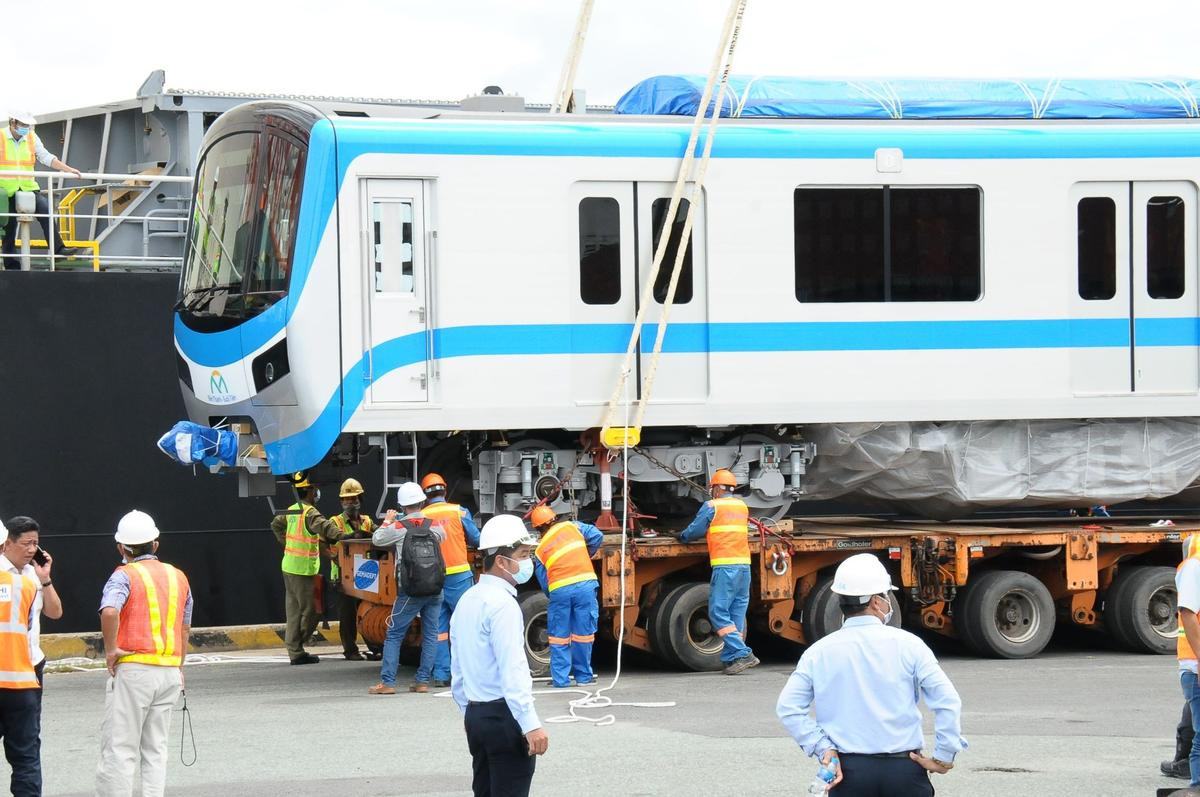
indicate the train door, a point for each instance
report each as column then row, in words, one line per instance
column 1101, row 347
column 396, row 334
column 1164, row 287
column 683, row 367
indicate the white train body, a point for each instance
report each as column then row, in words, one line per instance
column 435, row 280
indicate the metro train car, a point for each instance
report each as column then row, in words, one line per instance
column 468, row 281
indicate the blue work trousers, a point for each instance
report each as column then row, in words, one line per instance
column 404, row 610
column 456, row 584
column 571, row 621
column 728, row 598
column 1191, row 693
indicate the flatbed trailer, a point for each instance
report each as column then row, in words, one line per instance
column 1001, row 589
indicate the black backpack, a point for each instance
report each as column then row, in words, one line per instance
column 421, row 570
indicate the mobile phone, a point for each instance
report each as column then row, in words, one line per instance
column 39, row 557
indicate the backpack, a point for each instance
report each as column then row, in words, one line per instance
column 420, row 570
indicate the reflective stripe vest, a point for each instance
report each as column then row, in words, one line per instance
column 454, row 547
column 343, row 523
column 152, row 618
column 16, row 600
column 728, row 532
column 301, row 548
column 1192, row 551
column 564, row 554
column 17, row 156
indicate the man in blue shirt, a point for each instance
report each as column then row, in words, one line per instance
column 860, row 681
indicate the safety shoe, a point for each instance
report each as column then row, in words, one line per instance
column 1175, row 769
column 563, row 685
column 419, row 686
column 306, row 658
column 381, row 689
column 584, row 683
column 440, row 683
column 741, row 665
column 354, row 656
column 373, row 656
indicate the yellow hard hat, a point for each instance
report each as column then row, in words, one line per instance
column 300, row 480
column 350, row 489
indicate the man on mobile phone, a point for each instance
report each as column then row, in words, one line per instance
column 23, row 556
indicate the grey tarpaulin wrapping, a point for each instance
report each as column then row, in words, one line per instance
column 940, row 469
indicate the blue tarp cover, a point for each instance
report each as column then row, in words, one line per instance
column 867, row 98
column 190, row 443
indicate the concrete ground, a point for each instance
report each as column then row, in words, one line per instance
column 1073, row 721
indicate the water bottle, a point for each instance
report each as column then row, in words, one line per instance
column 825, row 775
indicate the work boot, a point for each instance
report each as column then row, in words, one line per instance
column 1176, row 769
column 381, row 689
column 419, row 686
column 306, row 658
column 353, row 655
column 441, row 683
column 373, row 656
column 741, row 665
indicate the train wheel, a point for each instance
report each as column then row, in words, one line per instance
column 1141, row 610
column 690, row 634
column 533, row 605
column 822, row 615
column 658, row 625
column 1007, row 614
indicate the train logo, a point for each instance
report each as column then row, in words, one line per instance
column 218, row 389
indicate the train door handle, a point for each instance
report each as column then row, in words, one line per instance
column 420, row 311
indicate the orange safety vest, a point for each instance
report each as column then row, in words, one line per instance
column 454, row 547
column 152, row 618
column 1182, row 649
column 18, row 156
column 728, row 532
column 16, row 600
column 563, row 552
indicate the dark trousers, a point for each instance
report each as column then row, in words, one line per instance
column 499, row 758
column 9, row 246
column 348, row 622
column 1184, row 733
column 21, row 727
column 872, row 776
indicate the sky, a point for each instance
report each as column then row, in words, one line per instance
column 449, row 49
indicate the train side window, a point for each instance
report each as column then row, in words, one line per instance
column 658, row 215
column 392, row 245
column 839, row 244
column 599, row 250
column 935, row 252
column 1096, row 231
column 1165, row 271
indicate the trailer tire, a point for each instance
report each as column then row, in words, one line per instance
column 1006, row 614
column 822, row 614
column 693, row 641
column 659, row 624
column 1141, row 609
column 534, row 605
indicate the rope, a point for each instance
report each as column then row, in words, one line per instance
column 566, row 78
column 722, row 57
column 185, row 729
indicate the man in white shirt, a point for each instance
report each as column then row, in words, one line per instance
column 19, row 552
column 1187, row 588
column 489, row 674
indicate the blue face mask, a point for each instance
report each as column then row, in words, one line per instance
column 22, row 131
column 524, row 570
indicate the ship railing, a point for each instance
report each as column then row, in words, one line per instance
column 65, row 192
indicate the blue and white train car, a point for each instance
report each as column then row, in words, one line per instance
column 352, row 270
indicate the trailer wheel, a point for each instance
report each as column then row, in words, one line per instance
column 693, row 640
column 1006, row 614
column 534, row 604
column 823, row 616
column 1141, row 609
column 659, row 623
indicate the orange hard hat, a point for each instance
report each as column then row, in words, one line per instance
column 723, row 477
column 541, row 515
column 432, row 480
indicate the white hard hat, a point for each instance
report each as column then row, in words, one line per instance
column 504, row 531
column 136, row 528
column 861, row 574
column 22, row 116
column 410, row 494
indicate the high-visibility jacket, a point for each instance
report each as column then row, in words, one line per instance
column 17, row 156
column 454, row 547
column 151, row 625
column 365, row 526
column 1191, row 550
column 16, row 602
column 301, row 548
column 728, row 532
column 563, row 552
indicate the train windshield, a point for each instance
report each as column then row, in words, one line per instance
column 240, row 249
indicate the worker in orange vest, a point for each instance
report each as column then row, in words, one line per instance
column 563, row 566
column 725, row 521
column 145, row 616
column 461, row 531
column 20, row 692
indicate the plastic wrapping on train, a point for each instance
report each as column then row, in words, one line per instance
column 941, row 468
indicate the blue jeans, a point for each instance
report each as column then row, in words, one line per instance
column 571, row 620
column 1191, row 693
column 403, row 611
column 728, row 598
column 452, row 590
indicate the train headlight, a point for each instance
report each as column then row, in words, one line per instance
column 270, row 366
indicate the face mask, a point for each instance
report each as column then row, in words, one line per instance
column 22, row 131
column 316, row 496
column 524, row 570
column 353, row 509
column 887, row 618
